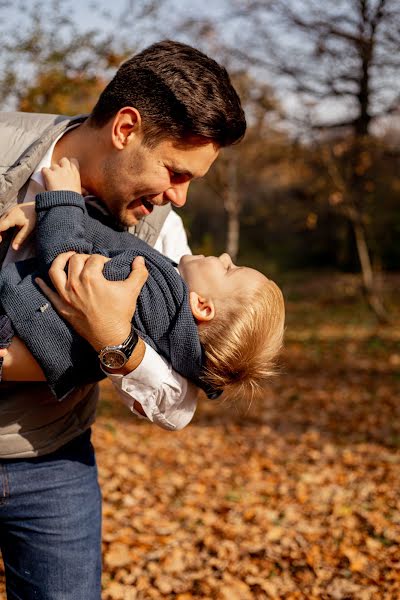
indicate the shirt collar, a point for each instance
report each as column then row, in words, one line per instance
column 46, row 160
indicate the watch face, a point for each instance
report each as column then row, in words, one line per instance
column 113, row 359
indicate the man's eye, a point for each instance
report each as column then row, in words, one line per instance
column 178, row 177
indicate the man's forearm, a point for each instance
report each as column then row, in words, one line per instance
column 133, row 362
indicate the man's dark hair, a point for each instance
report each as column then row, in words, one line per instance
column 180, row 93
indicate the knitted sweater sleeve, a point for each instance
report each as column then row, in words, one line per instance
column 67, row 360
column 61, row 226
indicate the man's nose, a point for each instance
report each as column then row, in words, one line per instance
column 177, row 194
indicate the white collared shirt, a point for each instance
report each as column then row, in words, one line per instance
column 167, row 398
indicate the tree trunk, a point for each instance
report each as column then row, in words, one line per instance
column 232, row 208
column 369, row 283
column 232, row 234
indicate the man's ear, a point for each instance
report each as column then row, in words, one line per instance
column 203, row 309
column 125, row 125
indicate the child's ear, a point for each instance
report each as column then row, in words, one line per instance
column 203, row 309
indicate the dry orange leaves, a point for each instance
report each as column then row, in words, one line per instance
column 297, row 499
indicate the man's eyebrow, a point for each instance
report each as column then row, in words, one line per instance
column 180, row 171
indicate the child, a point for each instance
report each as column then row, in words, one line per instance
column 217, row 324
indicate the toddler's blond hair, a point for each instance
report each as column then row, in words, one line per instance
column 242, row 341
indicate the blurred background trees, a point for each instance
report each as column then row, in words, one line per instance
column 340, row 64
column 345, row 55
column 316, row 181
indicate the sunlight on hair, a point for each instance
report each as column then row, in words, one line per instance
column 242, row 342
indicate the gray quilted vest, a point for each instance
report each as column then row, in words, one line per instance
column 24, row 140
column 31, row 423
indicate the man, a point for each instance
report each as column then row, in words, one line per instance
column 159, row 123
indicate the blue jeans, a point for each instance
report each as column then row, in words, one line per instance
column 50, row 524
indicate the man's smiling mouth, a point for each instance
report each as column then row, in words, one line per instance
column 148, row 205
column 141, row 204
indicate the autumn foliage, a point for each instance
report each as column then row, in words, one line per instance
column 295, row 498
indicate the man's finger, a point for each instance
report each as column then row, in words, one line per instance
column 94, row 266
column 57, row 271
column 139, row 267
column 98, row 260
column 139, row 274
column 138, row 264
column 76, row 265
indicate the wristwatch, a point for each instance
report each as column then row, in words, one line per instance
column 115, row 357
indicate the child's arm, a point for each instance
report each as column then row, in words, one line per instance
column 19, row 364
column 61, row 217
column 63, row 176
column 56, row 368
column 23, row 217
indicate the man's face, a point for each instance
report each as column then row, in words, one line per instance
column 137, row 178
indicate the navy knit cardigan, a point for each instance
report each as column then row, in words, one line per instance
column 162, row 318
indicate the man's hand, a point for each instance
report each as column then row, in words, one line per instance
column 99, row 310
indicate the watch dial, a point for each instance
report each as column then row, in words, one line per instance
column 114, row 359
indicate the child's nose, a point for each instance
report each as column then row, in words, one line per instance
column 226, row 259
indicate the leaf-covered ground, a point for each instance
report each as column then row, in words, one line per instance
column 295, row 498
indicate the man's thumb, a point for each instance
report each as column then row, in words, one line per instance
column 139, row 271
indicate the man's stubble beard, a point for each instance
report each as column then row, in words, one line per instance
column 116, row 206
column 127, row 219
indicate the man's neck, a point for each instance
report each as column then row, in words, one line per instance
column 71, row 144
column 76, row 144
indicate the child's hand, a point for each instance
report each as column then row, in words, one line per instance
column 22, row 216
column 3, row 352
column 63, row 176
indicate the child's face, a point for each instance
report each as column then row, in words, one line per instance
column 217, row 277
